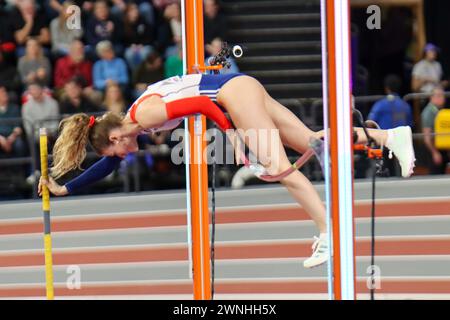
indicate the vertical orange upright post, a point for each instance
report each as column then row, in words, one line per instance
column 341, row 148
column 198, row 166
column 333, row 150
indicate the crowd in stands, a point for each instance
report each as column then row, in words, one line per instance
column 427, row 78
column 61, row 57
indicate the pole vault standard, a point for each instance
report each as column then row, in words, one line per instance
column 339, row 95
column 326, row 153
column 341, row 147
column 196, row 170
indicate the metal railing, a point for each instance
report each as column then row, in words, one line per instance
column 300, row 107
column 14, row 161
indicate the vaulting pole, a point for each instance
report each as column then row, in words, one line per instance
column 46, row 212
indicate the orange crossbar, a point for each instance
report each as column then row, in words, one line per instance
column 198, row 166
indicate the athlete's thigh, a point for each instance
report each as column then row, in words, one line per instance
column 243, row 98
column 294, row 133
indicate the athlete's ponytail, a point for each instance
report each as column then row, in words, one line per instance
column 76, row 132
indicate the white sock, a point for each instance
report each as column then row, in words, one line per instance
column 390, row 138
column 323, row 236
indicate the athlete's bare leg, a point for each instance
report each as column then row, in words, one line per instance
column 245, row 100
column 379, row 135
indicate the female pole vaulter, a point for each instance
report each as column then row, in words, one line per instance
column 164, row 105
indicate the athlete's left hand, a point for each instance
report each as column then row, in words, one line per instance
column 52, row 186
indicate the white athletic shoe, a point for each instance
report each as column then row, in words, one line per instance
column 241, row 177
column 400, row 143
column 320, row 253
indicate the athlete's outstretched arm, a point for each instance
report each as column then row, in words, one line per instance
column 96, row 172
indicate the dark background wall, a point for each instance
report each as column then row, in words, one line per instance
column 437, row 18
column 390, row 49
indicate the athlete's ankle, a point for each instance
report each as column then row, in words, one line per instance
column 388, row 137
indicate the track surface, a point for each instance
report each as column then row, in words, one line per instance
column 134, row 246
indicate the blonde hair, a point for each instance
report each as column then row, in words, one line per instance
column 69, row 150
column 102, row 46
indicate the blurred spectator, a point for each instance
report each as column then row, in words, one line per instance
column 9, row 77
column 147, row 11
column 148, row 72
column 62, row 36
column 54, row 7
column 11, row 142
column 215, row 23
column 73, row 65
column 162, row 4
column 174, row 64
column 156, row 157
column 144, row 6
column 392, row 111
column 7, row 41
column 37, row 109
column 28, row 22
column 34, row 66
column 172, row 14
column 114, row 100
column 74, row 101
column 157, row 144
column 427, row 73
column 164, row 36
column 109, row 69
column 439, row 158
column 86, row 5
column 118, row 8
column 138, row 36
column 157, row 149
column 101, row 26
column 214, row 48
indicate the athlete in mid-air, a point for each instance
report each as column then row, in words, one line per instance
column 164, row 105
